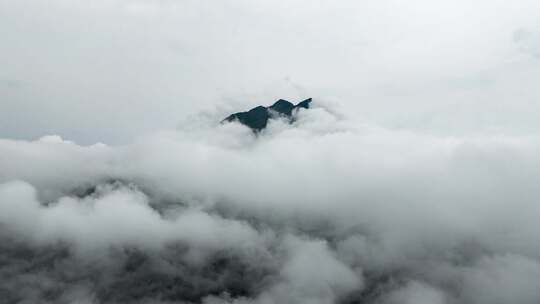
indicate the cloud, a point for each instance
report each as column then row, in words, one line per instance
column 330, row 209
column 528, row 41
column 502, row 278
column 413, row 180
column 415, row 292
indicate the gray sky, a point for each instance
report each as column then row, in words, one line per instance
column 109, row 71
column 413, row 179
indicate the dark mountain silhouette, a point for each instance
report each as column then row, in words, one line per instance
column 257, row 118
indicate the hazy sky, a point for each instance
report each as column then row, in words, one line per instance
column 110, row 70
column 413, row 179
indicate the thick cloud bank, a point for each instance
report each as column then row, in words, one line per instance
column 327, row 210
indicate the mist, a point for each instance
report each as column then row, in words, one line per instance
column 112, row 70
column 412, row 178
column 326, row 210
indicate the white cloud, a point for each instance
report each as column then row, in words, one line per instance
column 327, row 208
column 528, row 41
column 413, row 180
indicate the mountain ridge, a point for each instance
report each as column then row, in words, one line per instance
column 257, row 118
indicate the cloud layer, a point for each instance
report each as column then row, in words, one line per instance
column 328, row 210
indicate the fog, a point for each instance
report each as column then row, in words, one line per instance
column 326, row 210
column 112, row 70
column 412, row 179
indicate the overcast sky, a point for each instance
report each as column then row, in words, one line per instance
column 413, row 179
column 110, row 70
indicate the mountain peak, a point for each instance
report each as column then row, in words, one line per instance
column 257, row 118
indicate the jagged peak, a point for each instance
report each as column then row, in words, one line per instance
column 304, row 104
column 257, row 118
